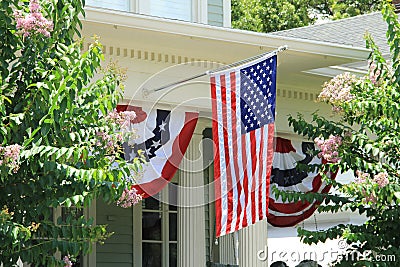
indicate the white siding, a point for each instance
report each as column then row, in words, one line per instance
column 118, row 249
column 216, row 12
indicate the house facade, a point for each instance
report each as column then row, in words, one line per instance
column 159, row 42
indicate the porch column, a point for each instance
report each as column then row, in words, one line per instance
column 251, row 240
column 191, row 214
column 227, row 254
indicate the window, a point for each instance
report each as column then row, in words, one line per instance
column 159, row 230
column 122, row 5
column 212, row 12
column 174, row 9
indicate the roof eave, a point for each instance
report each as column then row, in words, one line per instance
column 202, row 31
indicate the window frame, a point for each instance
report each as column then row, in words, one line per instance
column 138, row 227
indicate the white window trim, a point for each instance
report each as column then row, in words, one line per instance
column 227, row 13
column 200, row 9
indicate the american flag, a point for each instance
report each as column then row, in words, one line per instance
column 243, row 108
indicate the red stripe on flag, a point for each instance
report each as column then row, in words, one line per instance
column 227, row 155
column 171, row 166
column 260, row 176
column 217, row 171
column 254, row 162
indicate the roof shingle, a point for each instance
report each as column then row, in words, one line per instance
column 349, row 31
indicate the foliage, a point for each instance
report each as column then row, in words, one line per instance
column 58, row 146
column 270, row 16
column 368, row 127
column 339, row 9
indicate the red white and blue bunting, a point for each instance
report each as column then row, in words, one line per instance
column 164, row 136
column 286, row 177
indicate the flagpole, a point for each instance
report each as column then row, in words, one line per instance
column 147, row 92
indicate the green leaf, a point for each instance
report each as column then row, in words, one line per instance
column 375, row 151
column 67, row 203
column 72, row 135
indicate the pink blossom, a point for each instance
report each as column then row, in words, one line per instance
column 370, row 198
column 362, row 177
column 67, row 262
column 34, row 22
column 123, row 119
column 10, row 156
column 329, row 148
column 108, row 142
column 129, row 198
column 337, row 90
column 34, row 6
column 381, row 179
column 373, row 73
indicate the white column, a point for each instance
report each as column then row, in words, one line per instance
column 251, row 240
column 226, row 245
column 191, row 214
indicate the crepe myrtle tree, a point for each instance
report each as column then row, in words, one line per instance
column 60, row 136
column 364, row 138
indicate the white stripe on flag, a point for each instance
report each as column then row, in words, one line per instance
column 249, row 178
